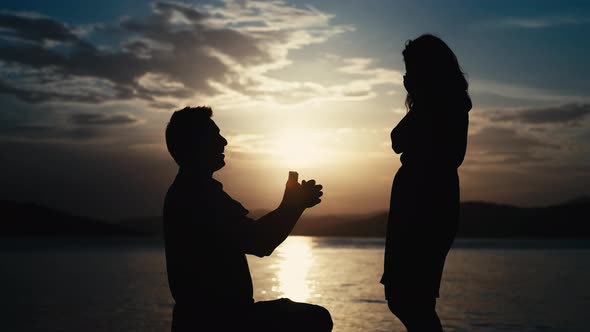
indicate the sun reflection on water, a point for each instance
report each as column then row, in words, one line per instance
column 293, row 269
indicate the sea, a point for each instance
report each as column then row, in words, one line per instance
column 118, row 285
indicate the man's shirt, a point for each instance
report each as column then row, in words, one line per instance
column 204, row 229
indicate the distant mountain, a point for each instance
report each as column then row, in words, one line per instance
column 478, row 219
column 146, row 226
column 359, row 225
column 569, row 219
column 577, row 200
column 28, row 219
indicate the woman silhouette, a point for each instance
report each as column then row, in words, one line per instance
column 424, row 207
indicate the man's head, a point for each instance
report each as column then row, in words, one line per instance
column 194, row 141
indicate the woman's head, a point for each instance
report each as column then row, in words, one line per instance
column 433, row 74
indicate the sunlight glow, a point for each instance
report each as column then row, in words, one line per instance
column 298, row 148
column 295, row 262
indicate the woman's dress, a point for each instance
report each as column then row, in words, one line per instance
column 424, row 206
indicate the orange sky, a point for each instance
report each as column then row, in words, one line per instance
column 86, row 96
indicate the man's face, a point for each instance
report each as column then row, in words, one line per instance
column 211, row 147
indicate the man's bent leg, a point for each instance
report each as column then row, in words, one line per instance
column 183, row 318
column 286, row 315
column 206, row 317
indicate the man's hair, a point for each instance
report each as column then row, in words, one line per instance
column 183, row 130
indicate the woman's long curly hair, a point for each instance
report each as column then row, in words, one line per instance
column 433, row 77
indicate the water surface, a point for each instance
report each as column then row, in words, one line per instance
column 115, row 285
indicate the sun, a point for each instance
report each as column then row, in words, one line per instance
column 299, row 148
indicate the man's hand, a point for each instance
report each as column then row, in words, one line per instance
column 311, row 193
column 302, row 196
column 272, row 229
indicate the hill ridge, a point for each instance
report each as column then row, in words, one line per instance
column 478, row 219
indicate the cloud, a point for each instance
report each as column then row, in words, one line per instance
column 48, row 133
column 502, row 146
column 45, row 85
column 306, row 146
column 502, row 140
column 570, row 114
column 25, row 27
column 177, row 53
column 521, row 166
column 120, row 70
column 532, row 22
column 85, row 124
column 525, row 94
column 527, row 141
column 101, row 119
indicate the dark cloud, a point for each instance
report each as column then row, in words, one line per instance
column 168, row 8
column 564, row 114
column 174, row 45
column 35, row 56
column 37, row 96
column 176, row 52
column 504, row 140
column 500, row 146
column 37, row 132
column 358, row 93
column 518, row 166
column 164, row 106
column 102, row 119
column 35, row 29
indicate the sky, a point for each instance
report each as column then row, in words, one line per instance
column 87, row 88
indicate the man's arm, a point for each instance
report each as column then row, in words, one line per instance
column 265, row 234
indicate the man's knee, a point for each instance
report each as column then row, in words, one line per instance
column 322, row 318
column 314, row 318
column 288, row 315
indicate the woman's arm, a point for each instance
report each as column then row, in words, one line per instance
column 410, row 131
column 400, row 133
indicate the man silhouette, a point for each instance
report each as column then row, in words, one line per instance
column 207, row 235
